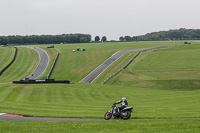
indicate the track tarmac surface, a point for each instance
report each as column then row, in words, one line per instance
column 43, row 63
column 95, row 73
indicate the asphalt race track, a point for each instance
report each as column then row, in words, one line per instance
column 94, row 74
column 44, row 61
column 21, row 118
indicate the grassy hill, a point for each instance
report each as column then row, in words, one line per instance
column 170, row 64
column 168, row 68
column 74, row 66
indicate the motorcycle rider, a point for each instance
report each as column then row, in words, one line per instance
column 123, row 102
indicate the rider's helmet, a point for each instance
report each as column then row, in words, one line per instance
column 123, row 98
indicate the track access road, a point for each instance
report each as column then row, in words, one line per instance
column 95, row 73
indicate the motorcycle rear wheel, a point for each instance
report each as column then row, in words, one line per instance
column 107, row 115
column 125, row 115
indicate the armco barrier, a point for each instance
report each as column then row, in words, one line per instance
column 10, row 62
column 48, row 76
column 134, row 58
column 46, row 81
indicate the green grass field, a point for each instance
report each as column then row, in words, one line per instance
column 6, row 54
column 175, row 64
column 93, row 100
column 130, row 126
column 163, row 89
column 25, row 63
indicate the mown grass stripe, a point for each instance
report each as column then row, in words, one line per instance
column 5, row 93
column 5, row 54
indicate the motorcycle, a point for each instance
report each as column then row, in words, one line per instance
column 116, row 113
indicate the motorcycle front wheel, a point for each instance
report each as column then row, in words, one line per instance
column 107, row 115
column 125, row 115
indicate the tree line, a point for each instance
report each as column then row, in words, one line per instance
column 177, row 34
column 45, row 39
column 129, row 38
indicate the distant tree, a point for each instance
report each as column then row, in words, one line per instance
column 83, row 40
column 134, row 38
column 104, row 39
column 97, row 38
column 3, row 40
column 88, row 37
column 127, row 38
column 121, row 38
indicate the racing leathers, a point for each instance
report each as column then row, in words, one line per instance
column 123, row 102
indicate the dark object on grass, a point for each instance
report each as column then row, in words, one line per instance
column 51, row 46
column 187, row 43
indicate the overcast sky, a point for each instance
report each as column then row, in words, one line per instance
column 110, row 18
